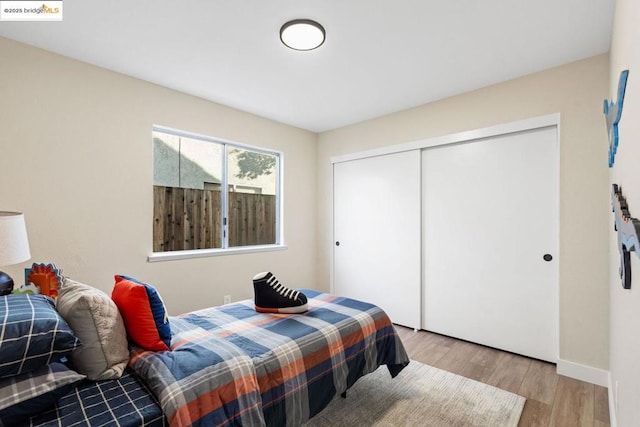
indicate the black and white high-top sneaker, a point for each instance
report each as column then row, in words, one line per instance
column 272, row 297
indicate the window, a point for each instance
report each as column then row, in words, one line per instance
column 213, row 194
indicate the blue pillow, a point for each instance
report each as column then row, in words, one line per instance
column 28, row 394
column 32, row 334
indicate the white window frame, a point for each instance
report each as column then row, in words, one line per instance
column 225, row 249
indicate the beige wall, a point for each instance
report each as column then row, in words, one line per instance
column 575, row 91
column 76, row 158
column 625, row 304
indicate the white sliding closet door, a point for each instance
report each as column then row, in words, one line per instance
column 490, row 222
column 377, row 233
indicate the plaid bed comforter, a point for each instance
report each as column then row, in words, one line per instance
column 230, row 365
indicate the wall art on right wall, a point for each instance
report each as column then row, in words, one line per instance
column 628, row 229
column 613, row 113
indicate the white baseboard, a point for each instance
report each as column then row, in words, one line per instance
column 583, row 373
column 613, row 416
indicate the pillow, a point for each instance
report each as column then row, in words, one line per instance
column 32, row 334
column 28, row 394
column 96, row 321
column 143, row 312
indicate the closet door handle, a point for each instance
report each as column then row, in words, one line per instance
column 547, row 257
column 337, row 243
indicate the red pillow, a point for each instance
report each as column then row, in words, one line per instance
column 143, row 312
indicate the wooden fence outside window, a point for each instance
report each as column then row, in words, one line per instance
column 187, row 218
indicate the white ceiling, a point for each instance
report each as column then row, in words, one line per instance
column 380, row 56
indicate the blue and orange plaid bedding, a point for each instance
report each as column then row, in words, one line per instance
column 231, row 365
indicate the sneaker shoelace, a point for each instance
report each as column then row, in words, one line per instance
column 281, row 289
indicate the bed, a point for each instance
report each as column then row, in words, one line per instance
column 231, row 365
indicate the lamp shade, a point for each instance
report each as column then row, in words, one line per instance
column 14, row 245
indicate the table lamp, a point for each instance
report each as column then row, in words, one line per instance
column 14, row 246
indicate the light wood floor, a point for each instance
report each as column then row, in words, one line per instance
column 552, row 399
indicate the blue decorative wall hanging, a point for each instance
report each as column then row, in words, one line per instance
column 613, row 112
column 628, row 229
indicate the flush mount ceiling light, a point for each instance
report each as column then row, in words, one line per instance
column 302, row 34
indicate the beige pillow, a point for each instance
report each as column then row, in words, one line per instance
column 96, row 321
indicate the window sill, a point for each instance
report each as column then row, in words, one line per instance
column 203, row 253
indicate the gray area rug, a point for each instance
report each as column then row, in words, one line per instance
column 421, row 395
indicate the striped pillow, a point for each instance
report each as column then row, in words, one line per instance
column 28, row 394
